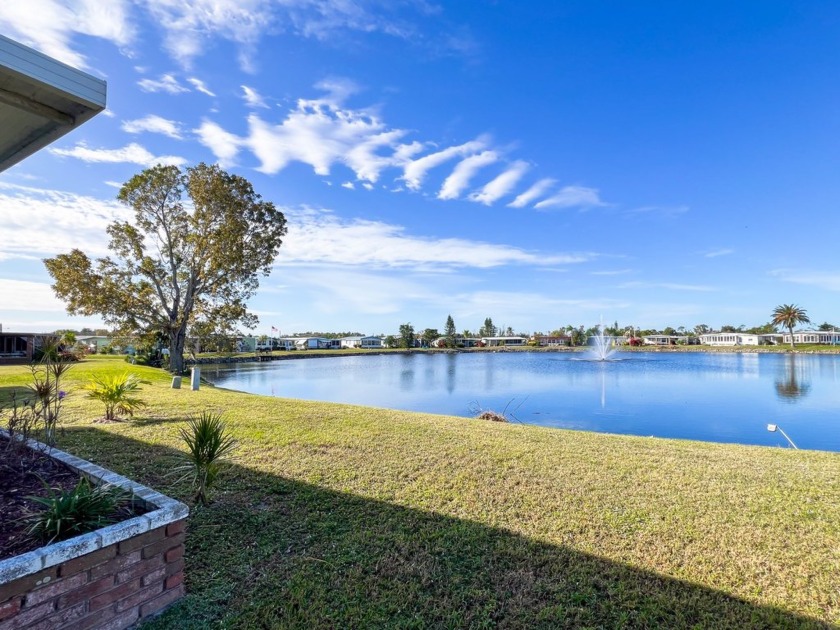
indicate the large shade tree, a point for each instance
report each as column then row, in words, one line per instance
column 789, row 315
column 198, row 242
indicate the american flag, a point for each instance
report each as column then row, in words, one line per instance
column 273, row 329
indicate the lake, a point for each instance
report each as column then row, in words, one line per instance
column 719, row 397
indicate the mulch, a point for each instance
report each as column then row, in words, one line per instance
column 24, row 473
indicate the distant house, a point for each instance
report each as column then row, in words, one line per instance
column 18, row 347
column 315, row 343
column 729, row 339
column 826, row 337
column 362, row 341
column 663, row 340
column 94, row 342
column 548, row 341
column 504, row 341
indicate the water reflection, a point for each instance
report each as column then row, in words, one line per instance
column 451, row 362
column 794, row 382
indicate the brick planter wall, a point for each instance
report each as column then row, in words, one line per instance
column 111, row 578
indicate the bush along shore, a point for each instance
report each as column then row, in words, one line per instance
column 334, row 515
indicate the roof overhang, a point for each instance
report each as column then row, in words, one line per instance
column 41, row 99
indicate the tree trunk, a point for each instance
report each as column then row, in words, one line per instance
column 790, row 329
column 177, row 341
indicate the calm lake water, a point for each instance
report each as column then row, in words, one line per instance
column 699, row 396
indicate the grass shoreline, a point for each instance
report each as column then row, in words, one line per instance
column 343, row 516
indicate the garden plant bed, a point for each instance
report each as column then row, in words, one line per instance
column 24, row 475
column 111, row 577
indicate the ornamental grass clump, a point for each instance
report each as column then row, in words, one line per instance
column 69, row 513
column 208, row 443
column 117, row 392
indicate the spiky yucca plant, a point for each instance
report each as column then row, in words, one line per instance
column 117, row 393
column 68, row 513
column 208, row 443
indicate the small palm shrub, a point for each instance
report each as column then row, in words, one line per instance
column 69, row 513
column 117, row 392
column 208, row 443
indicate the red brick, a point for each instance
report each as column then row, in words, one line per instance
column 174, row 580
column 161, row 602
column 156, row 549
column 26, row 618
column 115, row 594
column 10, row 608
column 55, row 589
column 86, row 592
column 113, row 566
column 176, row 528
column 142, row 540
column 140, row 569
column 155, row 576
column 174, row 567
column 60, row 619
column 28, row 583
column 174, row 554
column 122, row 620
column 107, row 619
column 139, row 597
column 82, row 563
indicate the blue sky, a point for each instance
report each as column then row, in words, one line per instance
column 540, row 163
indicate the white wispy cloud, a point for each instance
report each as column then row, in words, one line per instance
column 826, row 279
column 51, row 26
column 414, row 171
column 533, row 193
column 349, row 185
column 317, row 236
column 571, row 197
column 37, row 222
column 25, row 296
column 252, row 98
column 200, row 86
column 153, row 124
column 166, row 83
column 715, row 253
column 131, row 153
column 224, row 145
column 611, row 272
column 501, row 185
column 464, row 171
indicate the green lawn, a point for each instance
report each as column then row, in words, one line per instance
column 339, row 516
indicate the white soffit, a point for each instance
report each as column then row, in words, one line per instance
column 41, row 99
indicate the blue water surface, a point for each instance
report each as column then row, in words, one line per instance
column 719, row 397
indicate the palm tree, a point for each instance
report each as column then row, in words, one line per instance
column 789, row 315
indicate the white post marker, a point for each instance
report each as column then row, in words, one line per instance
column 195, row 378
column 773, row 428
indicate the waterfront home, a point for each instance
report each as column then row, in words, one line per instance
column 826, row 337
column 503, row 341
column 316, row 343
column 547, row 341
column 362, row 341
column 729, row 339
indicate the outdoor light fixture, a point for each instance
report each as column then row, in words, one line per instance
column 773, row 428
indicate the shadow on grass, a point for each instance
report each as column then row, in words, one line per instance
column 275, row 552
column 7, row 392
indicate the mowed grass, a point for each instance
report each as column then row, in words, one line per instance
column 340, row 516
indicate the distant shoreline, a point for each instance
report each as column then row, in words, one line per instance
column 286, row 355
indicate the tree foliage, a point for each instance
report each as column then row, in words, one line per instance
column 449, row 331
column 193, row 253
column 406, row 336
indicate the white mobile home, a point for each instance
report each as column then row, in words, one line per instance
column 729, row 339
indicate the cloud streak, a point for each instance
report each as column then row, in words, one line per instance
column 131, row 153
